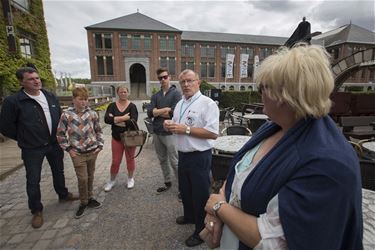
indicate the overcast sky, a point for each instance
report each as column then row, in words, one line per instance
column 68, row 39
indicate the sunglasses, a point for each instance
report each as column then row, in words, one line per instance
column 163, row 77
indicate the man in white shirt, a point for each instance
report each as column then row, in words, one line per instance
column 195, row 123
column 30, row 117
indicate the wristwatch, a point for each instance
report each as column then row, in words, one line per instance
column 187, row 131
column 217, row 206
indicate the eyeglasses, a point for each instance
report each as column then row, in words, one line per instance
column 187, row 82
column 163, row 77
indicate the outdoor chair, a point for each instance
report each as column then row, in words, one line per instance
column 220, row 166
column 149, row 127
column 255, row 124
column 368, row 174
column 236, row 130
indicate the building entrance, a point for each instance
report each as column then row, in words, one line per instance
column 137, row 75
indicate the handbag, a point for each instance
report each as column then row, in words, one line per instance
column 134, row 138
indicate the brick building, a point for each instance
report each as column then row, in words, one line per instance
column 128, row 50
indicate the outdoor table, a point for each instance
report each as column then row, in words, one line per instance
column 368, row 212
column 370, row 148
column 255, row 116
column 230, row 144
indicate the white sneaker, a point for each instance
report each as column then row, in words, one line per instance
column 130, row 183
column 109, row 185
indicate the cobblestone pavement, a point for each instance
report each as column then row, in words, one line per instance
column 129, row 219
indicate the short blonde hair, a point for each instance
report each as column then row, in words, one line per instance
column 80, row 92
column 121, row 87
column 301, row 77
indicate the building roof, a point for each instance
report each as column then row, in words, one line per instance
column 349, row 33
column 231, row 38
column 135, row 21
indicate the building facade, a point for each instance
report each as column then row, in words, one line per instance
column 128, row 50
column 23, row 39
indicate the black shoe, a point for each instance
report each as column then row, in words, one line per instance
column 80, row 211
column 165, row 188
column 182, row 221
column 94, row 203
column 193, row 241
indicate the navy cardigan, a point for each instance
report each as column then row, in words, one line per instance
column 316, row 174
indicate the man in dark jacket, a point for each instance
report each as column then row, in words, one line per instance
column 30, row 117
column 160, row 109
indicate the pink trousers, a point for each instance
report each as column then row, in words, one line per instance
column 118, row 150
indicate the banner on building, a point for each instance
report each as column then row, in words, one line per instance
column 229, row 66
column 243, row 69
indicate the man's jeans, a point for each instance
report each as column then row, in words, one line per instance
column 33, row 160
column 165, row 147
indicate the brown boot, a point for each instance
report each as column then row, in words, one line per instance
column 37, row 220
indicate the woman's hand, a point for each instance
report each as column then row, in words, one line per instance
column 214, row 198
column 126, row 117
column 214, row 229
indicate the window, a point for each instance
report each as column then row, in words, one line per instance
column 109, row 65
column 250, row 70
column 187, row 50
column 335, row 53
column 163, row 43
column 207, row 51
column 25, row 47
column 211, row 69
column 249, row 51
column 124, row 41
column 103, row 41
column 100, row 64
column 187, row 65
column 167, row 43
column 223, row 69
column 22, row 4
column 169, row 63
column 171, row 46
column 136, row 42
column 172, row 65
column 107, row 41
column 104, row 65
column 203, row 69
column 264, row 52
column 226, row 50
column 147, row 42
column 98, row 41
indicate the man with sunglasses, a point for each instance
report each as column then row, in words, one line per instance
column 160, row 109
column 195, row 123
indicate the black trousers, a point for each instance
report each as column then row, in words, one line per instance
column 33, row 160
column 194, row 181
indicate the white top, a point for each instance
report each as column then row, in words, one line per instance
column 269, row 225
column 199, row 111
column 41, row 99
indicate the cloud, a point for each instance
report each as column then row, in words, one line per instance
column 68, row 38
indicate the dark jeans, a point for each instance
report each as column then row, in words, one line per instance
column 194, row 183
column 33, row 160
